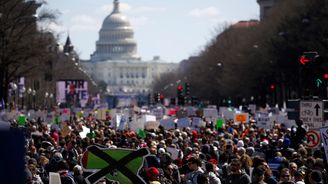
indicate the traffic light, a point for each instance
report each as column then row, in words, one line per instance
column 308, row 58
column 187, row 89
column 157, row 98
column 161, row 98
column 272, row 87
column 180, row 95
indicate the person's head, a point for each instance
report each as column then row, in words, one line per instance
column 77, row 170
column 102, row 181
column 203, row 179
column 194, row 163
column 209, row 167
column 258, row 174
column 235, row 165
column 152, row 174
column 299, row 175
column 285, row 175
column 315, row 177
column 168, row 169
column 292, row 168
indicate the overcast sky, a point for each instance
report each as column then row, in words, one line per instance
column 171, row 29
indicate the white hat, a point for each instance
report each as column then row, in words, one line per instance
column 240, row 143
column 161, row 150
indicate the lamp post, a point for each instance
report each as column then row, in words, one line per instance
column 23, row 94
column 51, row 96
column 33, row 93
column 46, row 95
column 14, row 88
column 29, row 91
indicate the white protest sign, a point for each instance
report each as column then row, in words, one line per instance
column 31, row 114
column 227, row 113
column 136, row 124
column 191, row 111
column 252, row 108
column 263, row 120
column 183, row 122
column 197, row 122
column 167, row 124
column 147, row 118
column 158, row 113
column 85, row 131
column 210, row 113
column 324, row 140
column 122, row 122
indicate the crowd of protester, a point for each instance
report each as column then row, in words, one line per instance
column 236, row 153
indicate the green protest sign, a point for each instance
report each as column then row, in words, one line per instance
column 120, row 165
column 56, row 120
column 21, row 120
column 141, row 133
column 219, row 123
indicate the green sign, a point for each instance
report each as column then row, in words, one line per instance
column 219, row 123
column 21, row 120
column 120, row 165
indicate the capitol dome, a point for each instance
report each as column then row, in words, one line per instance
column 116, row 38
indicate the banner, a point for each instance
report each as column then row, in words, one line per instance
column 74, row 92
column 324, row 140
column 183, row 123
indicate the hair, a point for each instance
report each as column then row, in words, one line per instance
column 202, row 178
column 195, row 161
column 316, row 176
column 209, row 167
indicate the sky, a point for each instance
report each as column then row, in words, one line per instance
column 171, row 29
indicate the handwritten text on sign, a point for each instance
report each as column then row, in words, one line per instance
column 311, row 113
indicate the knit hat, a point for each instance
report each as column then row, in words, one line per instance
column 151, row 171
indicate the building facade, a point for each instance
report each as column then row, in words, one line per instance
column 116, row 62
column 265, row 7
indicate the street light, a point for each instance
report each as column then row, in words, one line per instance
column 51, row 97
column 33, row 93
column 46, row 95
column 29, row 91
column 14, row 88
column 23, row 94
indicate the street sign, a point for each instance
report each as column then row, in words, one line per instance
column 324, row 138
column 312, row 139
column 311, row 113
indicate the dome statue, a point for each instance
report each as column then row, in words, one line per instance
column 116, row 38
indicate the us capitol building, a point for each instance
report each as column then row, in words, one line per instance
column 116, row 62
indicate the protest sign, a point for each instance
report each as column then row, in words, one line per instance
column 102, row 161
column 167, row 124
column 183, row 122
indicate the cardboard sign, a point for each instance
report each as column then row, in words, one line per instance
column 167, row 124
column 152, row 125
column 241, row 117
column 183, row 123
